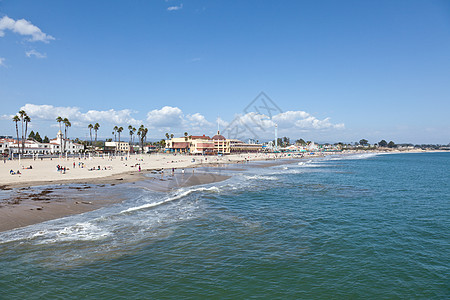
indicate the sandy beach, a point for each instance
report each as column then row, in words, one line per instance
column 104, row 169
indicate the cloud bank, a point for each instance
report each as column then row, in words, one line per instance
column 174, row 120
column 50, row 113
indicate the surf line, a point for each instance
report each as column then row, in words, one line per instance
column 176, row 197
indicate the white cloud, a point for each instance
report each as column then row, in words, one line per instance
column 198, row 121
column 35, row 54
column 23, row 27
column 172, row 8
column 167, row 116
column 303, row 120
column 170, row 118
column 50, row 113
column 2, row 62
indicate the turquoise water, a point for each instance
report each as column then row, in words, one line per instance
column 362, row 226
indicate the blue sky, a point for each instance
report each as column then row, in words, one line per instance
column 337, row 70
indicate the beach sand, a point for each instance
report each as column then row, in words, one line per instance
column 105, row 170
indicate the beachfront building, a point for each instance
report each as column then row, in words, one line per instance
column 5, row 145
column 67, row 145
column 116, row 147
column 32, row 147
column 202, row 144
column 11, row 146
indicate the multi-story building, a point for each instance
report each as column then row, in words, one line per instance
column 117, row 147
column 203, row 144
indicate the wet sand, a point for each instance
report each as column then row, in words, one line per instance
column 25, row 206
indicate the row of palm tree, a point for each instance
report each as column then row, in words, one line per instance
column 169, row 135
column 142, row 133
column 24, row 119
column 95, row 127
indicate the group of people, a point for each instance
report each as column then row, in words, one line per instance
column 61, row 169
column 14, row 173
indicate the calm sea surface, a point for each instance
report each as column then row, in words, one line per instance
column 362, row 226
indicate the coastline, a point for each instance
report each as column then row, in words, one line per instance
column 34, row 201
column 30, row 202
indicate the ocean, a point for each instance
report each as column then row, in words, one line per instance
column 358, row 226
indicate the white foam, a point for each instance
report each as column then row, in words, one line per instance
column 179, row 195
column 261, row 177
column 354, row 156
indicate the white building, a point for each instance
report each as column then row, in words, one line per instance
column 8, row 146
column 69, row 146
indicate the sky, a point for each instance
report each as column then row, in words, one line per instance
column 326, row 71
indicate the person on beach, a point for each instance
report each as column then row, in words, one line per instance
column 182, row 171
column 12, row 172
column 139, row 168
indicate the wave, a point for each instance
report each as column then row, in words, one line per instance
column 354, row 156
column 260, row 177
column 177, row 196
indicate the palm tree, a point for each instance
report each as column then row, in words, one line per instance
column 96, row 127
column 27, row 120
column 186, row 136
column 17, row 119
column 119, row 130
column 114, row 132
column 167, row 135
column 22, row 115
column 90, row 126
column 130, row 128
column 171, row 136
column 67, row 124
column 139, row 133
column 60, row 120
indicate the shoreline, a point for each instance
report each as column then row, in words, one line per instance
column 29, row 203
column 37, row 201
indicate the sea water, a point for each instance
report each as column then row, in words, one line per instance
column 357, row 226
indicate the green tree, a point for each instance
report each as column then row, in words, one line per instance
column 382, row 143
column 130, row 130
column 31, row 136
column 363, row 142
column 67, row 124
column 90, row 126
column 46, row 140
column 16, row 119
column 96, row 127
column 114, row 132
column 27, row 120
column 37, row 137
column 300, row 142
column 22, row 115
column 391, row 144
column 119, row 130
